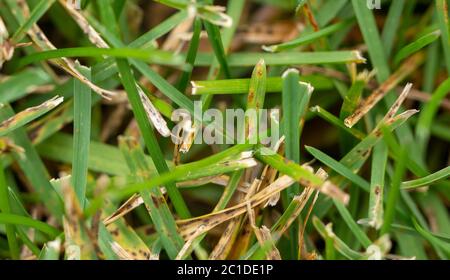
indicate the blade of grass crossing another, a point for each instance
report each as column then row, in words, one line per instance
column 368, row 27
column 149, row 136
column 33, row 167
column 153, row 199
column 234, row 10
column 437, row 243
column 338, row 167
column 181, row 171
column 40, row 9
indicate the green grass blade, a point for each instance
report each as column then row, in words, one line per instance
column 5, row 208
column 327, row 116
column 154, row 199
column 428, row 113
column 391, row 25
column 295, row 98
column 19, row 85
column 295, row 58
column 216, row 42
column 357, row 232
column 159, row 30
column 28, row 222
column 309, row 38
column 427, row 180
column 255, row 102
column 371, row 38
column 327, row 233
column 297, row 172
column 436, row 242
column 35, row 15
column 181, row 171
column 339, row 168
column 153, row 56
column 442, row 15
column 415, row 46
column 82, row 136
column 353, row 96
column 190, row 57
column 393, row 194
column 241, row 86
column 377, row 181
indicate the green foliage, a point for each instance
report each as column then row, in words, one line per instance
column 86, row 104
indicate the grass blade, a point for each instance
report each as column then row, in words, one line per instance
column 339, row 168
column 391, row 25
column 216, row 42
column 357, row 232
column 417, row 45
column 427, row 115
column 291, row 96
column 28, row 222
column 35, row 15
column 153, row 56
column 379, row 161
column 82, row 136
column 241, row 86
column 21, row 119
column 33, row 167
column 190, row 57
column 393, row 194
column 372, row 38
column 427, row 180
column 442, row 15
column 309, row 38
column 5, row 208
column 250, row 59
column 154, row 199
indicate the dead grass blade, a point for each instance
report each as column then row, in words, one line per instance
column 366, row 105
